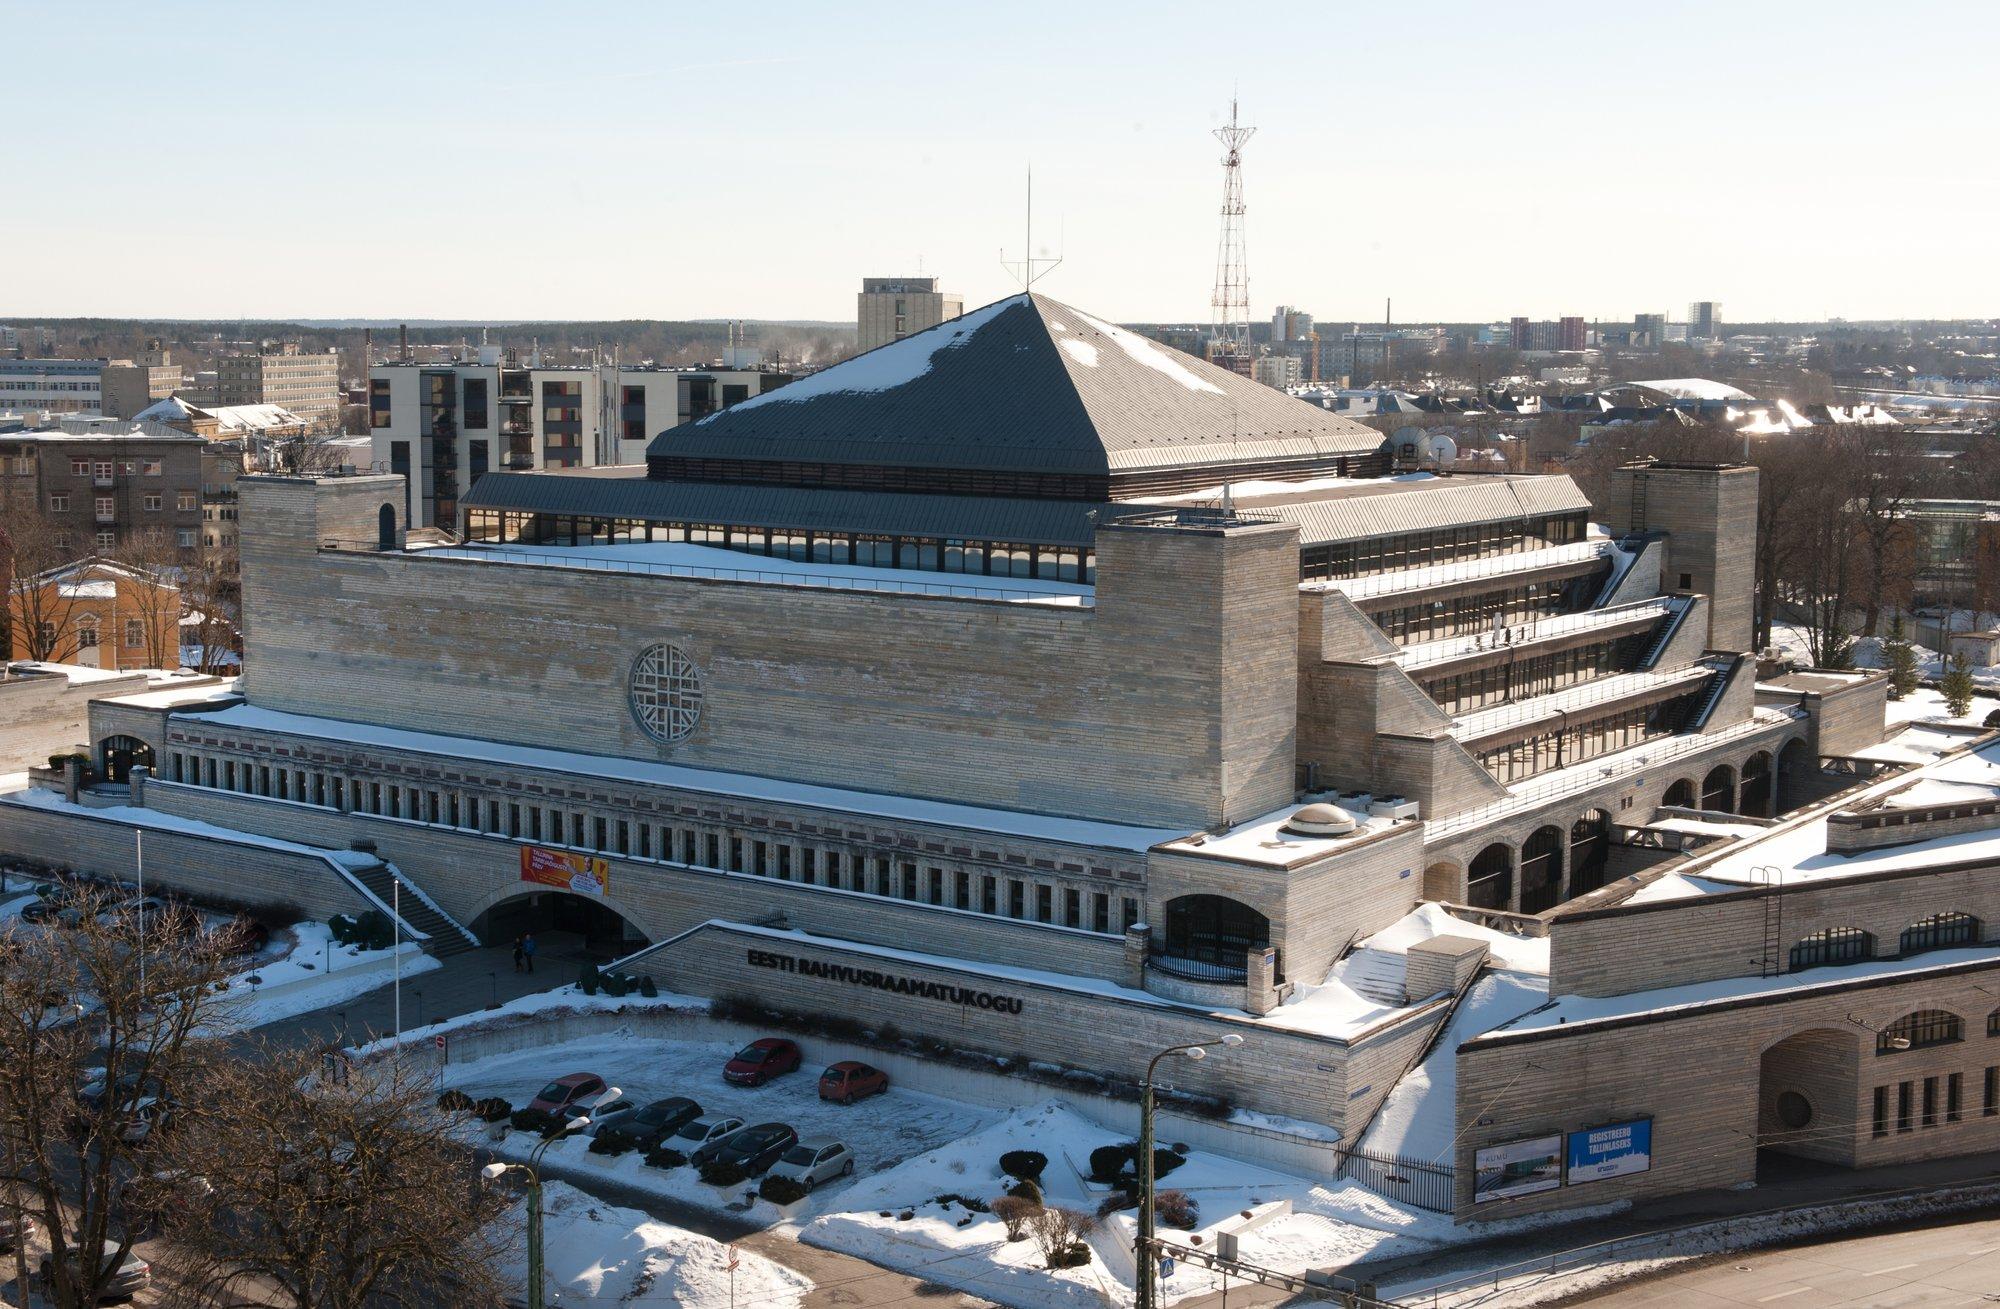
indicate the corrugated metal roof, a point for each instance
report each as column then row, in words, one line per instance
column 1029, row 522
column 1391, row 509
column 1023, row 385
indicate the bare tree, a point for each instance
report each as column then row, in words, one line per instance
column 102, row 1019
column 42, row 615
column 211, row 599
column 328, row 1193
column 155, row 565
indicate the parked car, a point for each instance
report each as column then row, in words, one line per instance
column 565, row 1093
column 54, row 902
column 761, row 1060
column 130, row 1276
column 811, row 1162
column 135, row 1088
column 851, row 1080
column 756, row 1148
column 147, row 910
column 649, row 1125
column 151, row 1113
column 702, row 1137
column 16, row 1231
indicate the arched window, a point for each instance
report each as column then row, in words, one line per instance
column 1490, row 880
column 1939, row 931
column 1589, row 851
column 385, row 528
column 1832, row 945
column 1922, row 1028
column 1214, row 932
column 1680, row 794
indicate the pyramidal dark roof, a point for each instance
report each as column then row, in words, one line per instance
column 1025, row 384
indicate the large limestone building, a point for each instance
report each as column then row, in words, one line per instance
column 1033, row 687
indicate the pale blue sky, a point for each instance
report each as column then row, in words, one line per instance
column 1473, row 160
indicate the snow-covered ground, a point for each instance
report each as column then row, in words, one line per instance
column 600, row 1254
column 309, row 970
column 882, row 1131
column 1925, row 705
column 1419, row 1119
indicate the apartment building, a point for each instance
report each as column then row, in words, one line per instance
column 106, row 479
column 56, row 386
column 442, row 425
column 130, row 387
column 891, row 308
column 306, row 382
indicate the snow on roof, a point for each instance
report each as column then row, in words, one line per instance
column 76, row 673
column 237, row 419
column 1001, row 822
column 1695, row 388
column 1263, row 840
column 155, row 820
column 93, row 590
column 1528, row 954
column 173, row 409
column 1928, row 791
column 1143, row 351
column 179, row 697
column 1575, row 1010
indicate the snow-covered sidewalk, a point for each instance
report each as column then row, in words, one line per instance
column 315, row 972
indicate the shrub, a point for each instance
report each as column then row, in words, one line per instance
column 1109, row 1162
column 1015, row 1212
column 1993, row 719
column 1115, row 1201
column 533, row 1120
column 1059, row 1236
column 906, row 1215
column 1026, row 1190
column 648, row 988
column 664, row 1156
column 1176, row 1209
column 1165, row 1161
column 611, row 1141
column 1024, row 1164
column 971, row 1202
column 455, row 1101
column 492, row 1109
column 721, row 1172
column 615, row 985
column 588, row 980
column 782, row 1190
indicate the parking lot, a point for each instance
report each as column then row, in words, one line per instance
column 882, row 1131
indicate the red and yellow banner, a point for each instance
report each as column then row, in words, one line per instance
column 566, row 870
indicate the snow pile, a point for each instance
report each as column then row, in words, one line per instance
column 600, row 1254
column 1419, row 1119
column 1528, row 954
column 1082, row 351
column 1676, row 886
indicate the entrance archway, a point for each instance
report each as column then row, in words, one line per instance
column 1490, row 882
column 1809, row 1098
column 1680, row 794
column 118, row 755
column 1589, row 851
column 1717, row 789
column 1754, row 796
column 565, row 925
column 1795, row 765
column 1213, row 935
column 1541, row 870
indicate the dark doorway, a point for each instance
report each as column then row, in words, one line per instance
column 385, row 528
column 1541, row 870
column 1715, row 789
column 565, row 927
column 1589, row 851
column 1490, row 880
column 1754, row 796
column 121, row 754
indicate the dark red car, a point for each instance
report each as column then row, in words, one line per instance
column 563, row 1094
column 761, row 1060
column 851, row 1080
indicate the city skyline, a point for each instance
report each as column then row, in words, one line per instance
column 1473, row 168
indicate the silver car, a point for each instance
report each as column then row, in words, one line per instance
column 131, row 1276
column 811, row 1162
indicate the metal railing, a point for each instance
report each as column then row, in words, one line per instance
column 1573, row 699
column 1416, row 1182
column 1197, row 970
column 1578, row 778
column 1429, row 575
column 1533, row 629
column 1082, row 596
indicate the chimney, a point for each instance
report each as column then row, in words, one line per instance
column 403, row 342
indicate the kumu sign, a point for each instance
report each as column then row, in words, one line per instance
column 962, row 995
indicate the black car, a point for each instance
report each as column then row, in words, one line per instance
column 756, row 1148
column 653, row 1123
column 54, row 902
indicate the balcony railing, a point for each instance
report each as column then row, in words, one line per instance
column 1468, row 570
column 1198, row 970
column 101, row 479
column 1531, row 630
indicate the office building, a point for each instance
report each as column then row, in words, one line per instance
column 55, row 386
column 1289, row 324
column 1649, row 331
column 1704, row 321
column 891, row 308
column 305, row 382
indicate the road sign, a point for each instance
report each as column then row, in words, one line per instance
column 440, row 1039
column 1166, row 1268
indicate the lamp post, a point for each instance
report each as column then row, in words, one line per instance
column 1143, row 1247
column 493, row 1172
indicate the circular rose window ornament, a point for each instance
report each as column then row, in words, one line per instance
column 665, row 693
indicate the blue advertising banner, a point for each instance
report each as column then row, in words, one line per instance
column 1612, row 1150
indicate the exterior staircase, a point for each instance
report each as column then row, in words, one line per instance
column 1720, row 683
column 1376, row 974
column 1677, row 610
column 446, row 936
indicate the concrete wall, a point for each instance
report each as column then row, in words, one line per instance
column 1170, row 702
column 43, row 714
column 1710, row 517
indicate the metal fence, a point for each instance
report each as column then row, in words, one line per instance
column 1198, row 970
column 1416, row 1182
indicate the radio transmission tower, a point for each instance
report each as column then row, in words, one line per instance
column 1232, row 274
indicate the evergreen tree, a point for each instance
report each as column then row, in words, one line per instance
column 1957, row 687
column 1899, row 656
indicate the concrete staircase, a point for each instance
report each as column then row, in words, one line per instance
column 1376, row 974
column 447, row 936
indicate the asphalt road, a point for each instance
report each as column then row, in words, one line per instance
column 1945, row 1265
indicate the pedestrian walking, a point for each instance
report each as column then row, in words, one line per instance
column 528, row 950
column 520, row 952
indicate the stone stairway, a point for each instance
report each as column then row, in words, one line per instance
column 447, row 938
column 1377, row 974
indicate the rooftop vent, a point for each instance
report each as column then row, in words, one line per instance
column 1320, row 820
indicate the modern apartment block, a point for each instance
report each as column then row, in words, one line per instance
column 305, row 382
column 891, row 308
column 1704, row 321
column 442, row 425
column 106, row 479
column 56, row 386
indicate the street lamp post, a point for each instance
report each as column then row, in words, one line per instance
column 493, row 1172
column 1143, row 1247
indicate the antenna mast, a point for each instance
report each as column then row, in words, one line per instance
column 1231, row 301
column 1024, row 270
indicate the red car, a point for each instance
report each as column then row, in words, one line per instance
column 760, row 1061
column 851, row 1080
column 565, row 1092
